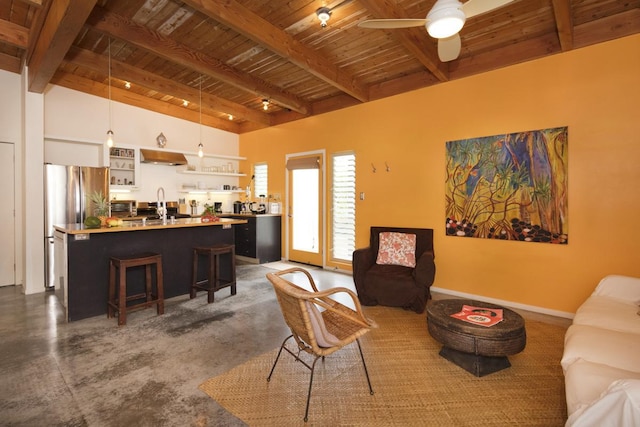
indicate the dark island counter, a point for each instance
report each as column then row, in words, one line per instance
column 82, row 257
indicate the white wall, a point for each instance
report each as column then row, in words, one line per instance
column 69, row 127
column 11, row 132
column 74, row 122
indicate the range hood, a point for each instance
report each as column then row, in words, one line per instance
column 162, row 157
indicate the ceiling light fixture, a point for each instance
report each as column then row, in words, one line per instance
column 230, row 116
column 200, row 146
column 185, row 103
column 109, row 132
column 265, row 104
column 127, row 85
column 445, row 19
column 324, row 13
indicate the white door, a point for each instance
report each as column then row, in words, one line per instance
column 304, row 209
column 7, row 213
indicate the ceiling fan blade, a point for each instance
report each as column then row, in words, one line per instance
column 449, row 48
column 477, row 7
column 392, row 23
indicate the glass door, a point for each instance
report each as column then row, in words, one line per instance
column 305, row 241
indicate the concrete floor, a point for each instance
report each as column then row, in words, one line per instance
column 94, row 373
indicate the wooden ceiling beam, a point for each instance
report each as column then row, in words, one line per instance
column 564, row 23
column 10, row 63
column 96, row 62
column 63, row 22
column 609, row 28
column 124, row 29
column 14, row 34
column 126, row 97
column 415, row 40
column 242, row 20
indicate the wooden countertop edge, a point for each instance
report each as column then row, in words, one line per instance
column 180, row 223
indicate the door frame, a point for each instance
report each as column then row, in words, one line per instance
column 323, row 197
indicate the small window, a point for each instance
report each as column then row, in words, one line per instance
column 260, row 180
column 343, row 206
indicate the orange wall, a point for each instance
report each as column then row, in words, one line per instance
column 594, row 91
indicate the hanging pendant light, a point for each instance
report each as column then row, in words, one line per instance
column 200, row 146
column 109, row 132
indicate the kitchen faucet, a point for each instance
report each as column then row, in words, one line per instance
column 161, row 210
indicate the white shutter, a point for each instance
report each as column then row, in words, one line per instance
column 343, row 206
column 260, row 180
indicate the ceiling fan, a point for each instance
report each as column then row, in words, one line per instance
column 443, row 22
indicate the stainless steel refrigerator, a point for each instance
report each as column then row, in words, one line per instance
column 66, row 201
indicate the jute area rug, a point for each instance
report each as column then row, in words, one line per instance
column 413, row 385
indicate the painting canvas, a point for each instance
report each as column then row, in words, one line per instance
column 509, row 187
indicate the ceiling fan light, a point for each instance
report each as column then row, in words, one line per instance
column 324, row 13
column 445, row 19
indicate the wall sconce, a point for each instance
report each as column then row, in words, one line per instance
column 265, row 104
column 324, row 13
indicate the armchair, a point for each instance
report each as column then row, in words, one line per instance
column 395, row 285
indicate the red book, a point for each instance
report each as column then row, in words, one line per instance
column 479, row 315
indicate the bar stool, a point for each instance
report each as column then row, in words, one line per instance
column 213, row 282
column 118, row 274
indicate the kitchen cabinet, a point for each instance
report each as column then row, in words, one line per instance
column 124, row 167
column 259, row 240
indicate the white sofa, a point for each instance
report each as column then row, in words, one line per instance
column 601, row 360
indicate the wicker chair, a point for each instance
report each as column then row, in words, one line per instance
column 336, row 326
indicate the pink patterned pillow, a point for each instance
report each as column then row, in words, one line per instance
column 397, row 249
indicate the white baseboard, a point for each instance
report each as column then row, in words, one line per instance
column 532, row 308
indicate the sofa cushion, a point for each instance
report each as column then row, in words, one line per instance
column 586, row 381
column 624, row 288
column 619, row 405
column 598, row 345
column 397, row 249
column 609, row 313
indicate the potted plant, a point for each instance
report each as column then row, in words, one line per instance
column 100, row 206
column 209, row 214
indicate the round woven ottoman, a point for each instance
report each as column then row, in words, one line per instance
column 478, row 349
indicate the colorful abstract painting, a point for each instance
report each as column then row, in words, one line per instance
column 509, row 187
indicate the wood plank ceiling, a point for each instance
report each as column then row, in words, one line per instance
column 229, row 55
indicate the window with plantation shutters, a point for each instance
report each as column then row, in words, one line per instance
column 343, row 228
column 260, row 180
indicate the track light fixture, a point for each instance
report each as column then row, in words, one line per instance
column 324, row 13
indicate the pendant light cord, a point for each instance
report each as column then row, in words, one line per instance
column 109, row 83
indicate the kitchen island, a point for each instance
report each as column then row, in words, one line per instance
column 82, row 257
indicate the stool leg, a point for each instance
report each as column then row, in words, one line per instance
column 160, row 286
column 112, row 290
column 122, row 297
column 147, row 282
column 194, row 275
column 213, row 277
column 233, row 272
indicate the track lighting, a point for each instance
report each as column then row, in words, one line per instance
column 324, row 13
